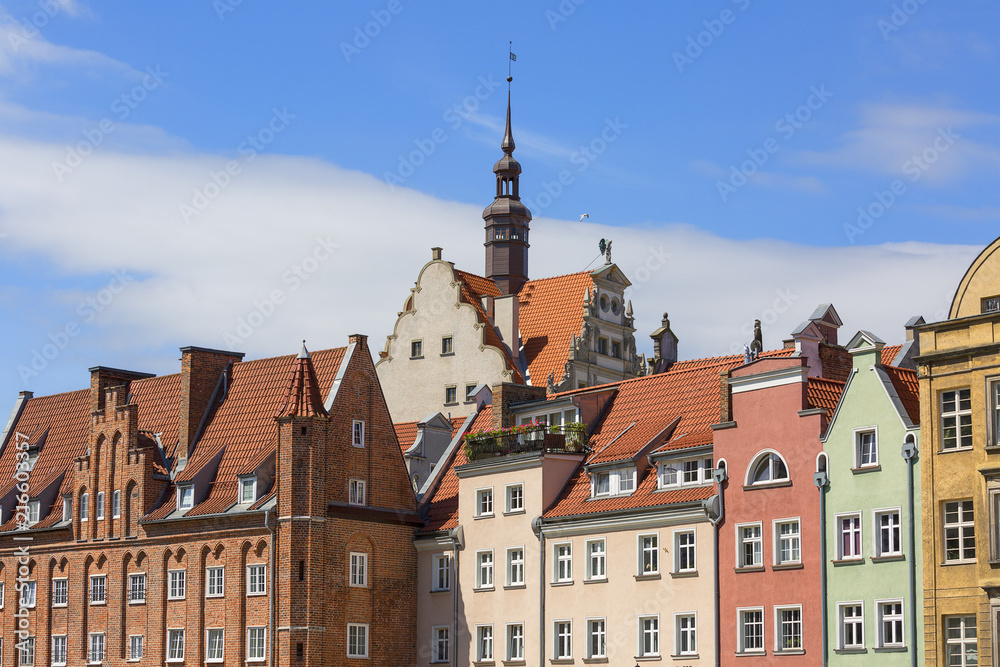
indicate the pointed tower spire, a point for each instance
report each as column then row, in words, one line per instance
column 508, row 135
column 303, row 398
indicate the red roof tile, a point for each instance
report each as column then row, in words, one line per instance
column 907, row 388
column 823, row 393
column 159, row 408
column 551, row 313
column 889, row 353
column 576, row 501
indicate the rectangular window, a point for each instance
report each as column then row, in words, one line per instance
column 866, row 452
column 446, row 345
column 100, row 505
column 484, row 642
column 248, row 490
column 484, row 575
column 515, row 641
column 649, row 636
column 687, row 635
column 484, row 502
column 98, row 589
column 563, row 562
column 416, row 349
column 359, row 570
column 597, row 638
column 358, row 433
column 849, row 544
column 959, row 531
column 175, row 645
column 137, row 588
column 28, row 594
column 788, row 621
column 668, row 475
column 116, row 504
column 515, row 498
column 216, row 645
column 257, row 643
column 135, row 647
column 602, row 346
column 960, row 641
column 96, row 653
column 59, row 649
column 176, row 581
column 216, row 582
column 357, row 492
column 956, row 419
column 888, row 543
column 684, row 551
column 442, row 572
column 515, row 566
column 602, row 483
column 626, row 481
column 450, row 395
column 67, row 508
column 34, row 511
column 649, row 556
column 60, row 592
column 562, row 642
column 257, row 579
column 751, row 630
column 890, row 623
column 991, row 304
column 439, row 644
column 616, row 349
column 852, row 625
column 185, row 499
column 690, row 472
column 789, row 541
column 995, row 393
column 357, row 640
column 26, row 648
column 751, row 552
column 469, row 395
column 596, row 560
column 84, row 507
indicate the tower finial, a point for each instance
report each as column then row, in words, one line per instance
column 508, row 136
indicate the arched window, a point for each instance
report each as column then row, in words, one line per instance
column 768, row 467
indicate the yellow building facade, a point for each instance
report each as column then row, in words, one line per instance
column 959, row 372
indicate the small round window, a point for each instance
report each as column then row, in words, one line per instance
column 604, row 302
column 615, row 306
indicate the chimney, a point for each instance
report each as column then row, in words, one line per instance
column 506, row 318
column 201, row 369
column 911, row 348
column 435, row 253
column 103, row 378
column 664, row 347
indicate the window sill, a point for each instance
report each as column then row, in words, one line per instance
column 751, row 568
column 484, row 589
column 767, row 485
column 863, row 469
column 787, row 566
column 447, row 354
column 257, row 595
column 483, row 663
column 685, row 656
column 133, row 602
column 98, row 604
column 594, row 661
column 440, row 590
column 219, row 597
column 561, row 661
column 452, row 404
column 849, row 651
column 848, row 561
column 952, row 563
column 750, row 654
column 56, row 606
column 514, row 587
column 648, row 658
column 647, row 577
column 602, row 580
column 684, row 575
column 955, row 449
column 561, row 583
column 791, row 651
column 888, row 559
column 483, row 516
column 513, row 512
column 415, row 358
column 890, row 649
column 513, row 663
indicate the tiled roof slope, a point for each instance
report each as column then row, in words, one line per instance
column 474, row 288
column 889, row 353
column 551, row 313
column 735, row 359
column 904, row 381
column 443, row 509
column 406, row 432
column 823, row 393
column 159, row 400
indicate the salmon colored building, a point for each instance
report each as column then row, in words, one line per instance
column 769, row 544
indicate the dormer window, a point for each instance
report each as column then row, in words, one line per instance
column 67, row 510
column 685, row 472
column 34, row 511
column 185, row 497
column 248, row 490
column 619, row 482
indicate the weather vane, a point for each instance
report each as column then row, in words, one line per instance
column 513, row 58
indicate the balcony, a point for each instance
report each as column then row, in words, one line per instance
column 529, row 439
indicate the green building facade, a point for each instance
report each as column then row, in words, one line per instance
column 869, row 478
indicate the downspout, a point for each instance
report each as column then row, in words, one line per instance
column 719, row 474
column 822, row 480
column 457, row 535
column 536, row 525
column 910, row 454
column 274, row 590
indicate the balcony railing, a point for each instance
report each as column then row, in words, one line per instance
column 569, row 439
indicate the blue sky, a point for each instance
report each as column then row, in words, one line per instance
column 749, row 160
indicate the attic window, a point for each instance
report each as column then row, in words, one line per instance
column 248, row 490
column 619, row 482
column 34, row 511
column 991, row 304
column 185, row 497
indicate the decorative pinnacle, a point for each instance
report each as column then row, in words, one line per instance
column 304, row 354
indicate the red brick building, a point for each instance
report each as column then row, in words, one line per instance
column 239, row 512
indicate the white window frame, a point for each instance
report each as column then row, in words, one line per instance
column 171, row 634
column 962, row 418
column 67, row 508
column 211, row 582
column 654, row 632
column 251, row 586
column 57, row 583
column 514, row 642
column 361, row 631
column 34, row 511
column 84, row 506
column 484, row 642
column 509, row 498
column 28, row 590
column 485, row 567
column 515, row 567
column 963, row 640
column 779, row 539
column 755, row 462
column 251, row 656
column 251, row 483
column 357, row 492
column 741, row 635
column 185, row 497
column 95, row 588
column 97, row 648
column 56, row 658
column 26, row 652
column 597, row 561
column 615, row 482
column 116, row 504
column 208, row 644
column 447, row 344
column 180, row 575
column 358, row 433
column 641, row 555
column 137, row 576
column 451, row 394
column 679, row 549
column 99, row 507
column 858, row 621
column 601, row 632
column 440, row 644
column 858, row 435
column 839, row 520
column 961, row 526
column 779, row 629
column 877, row 515
column 881, row 619
column 691, row 632
column 562, row 639
column 758, row 553
column 562, row 562
column 437, row 560
column 484, row 502
column 358, row 577
column 132, row 645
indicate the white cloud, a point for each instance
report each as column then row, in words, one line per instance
column 760, row 178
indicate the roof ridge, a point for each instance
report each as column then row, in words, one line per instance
column 286, row 356
column 562, row 275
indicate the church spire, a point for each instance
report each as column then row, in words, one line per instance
column 508, row 136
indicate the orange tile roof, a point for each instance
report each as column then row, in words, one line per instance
column 159, row 412
column 576, row 501
column 474, row 288
column 823, row 393
column 889, row 353
column 551, row 313
column 908, row 388
column 443, row 505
